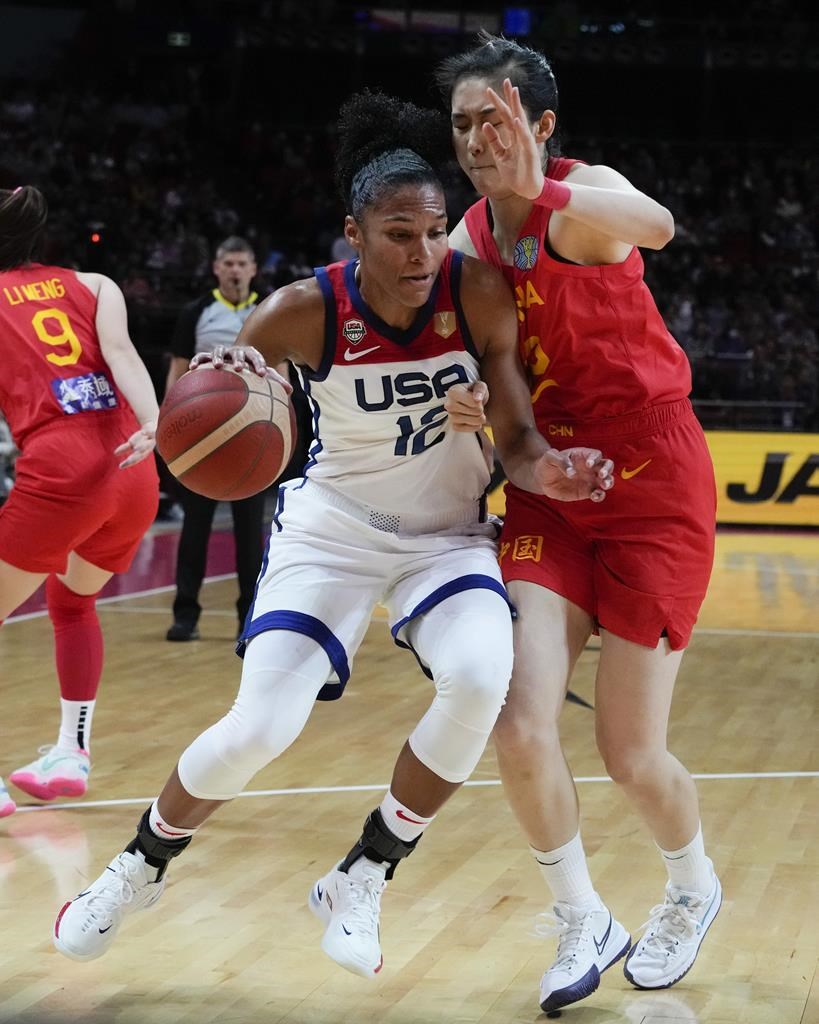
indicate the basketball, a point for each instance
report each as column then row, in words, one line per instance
column 226, row 435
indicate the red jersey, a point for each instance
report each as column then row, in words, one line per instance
column 53, row 369
column 592, row 339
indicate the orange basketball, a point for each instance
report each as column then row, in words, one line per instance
column 224, row 434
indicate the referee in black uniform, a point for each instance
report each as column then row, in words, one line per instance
column 215, row 319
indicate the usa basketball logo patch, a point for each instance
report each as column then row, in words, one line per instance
column 526, row 252
column 353, row 331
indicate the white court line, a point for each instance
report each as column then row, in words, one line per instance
column 381, row 787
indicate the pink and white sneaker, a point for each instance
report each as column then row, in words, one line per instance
column 59, row 772
column 7, row 805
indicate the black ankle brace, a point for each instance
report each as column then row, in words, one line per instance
column 156, row 851
column 378, row 843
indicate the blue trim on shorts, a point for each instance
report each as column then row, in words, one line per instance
column 307, row 625
column 474, row 581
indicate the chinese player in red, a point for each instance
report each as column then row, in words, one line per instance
column 82, row 411
column 603, row 371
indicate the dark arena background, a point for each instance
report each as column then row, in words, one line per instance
column 158, row 129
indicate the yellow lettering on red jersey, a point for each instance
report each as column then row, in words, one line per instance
column 54, row 288
column 523, row 300
column 532, row 297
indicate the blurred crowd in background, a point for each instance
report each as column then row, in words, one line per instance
column 146, row 178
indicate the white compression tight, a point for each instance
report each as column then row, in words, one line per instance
column 282, row 673
column 466, row 641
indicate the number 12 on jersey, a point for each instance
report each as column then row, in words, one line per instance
column 415, row 434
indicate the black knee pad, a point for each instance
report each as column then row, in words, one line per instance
column 378, row 843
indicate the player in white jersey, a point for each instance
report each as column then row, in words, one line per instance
column 390, row 510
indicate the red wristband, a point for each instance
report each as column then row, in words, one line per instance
column 554, row 195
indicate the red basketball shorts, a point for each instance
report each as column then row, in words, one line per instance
column 639, row 562
column 69, row 495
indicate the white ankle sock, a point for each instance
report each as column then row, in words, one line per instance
column 688, row 868
column 567, row 873
column 163, row 829
column 75, row 724
column 401, row 821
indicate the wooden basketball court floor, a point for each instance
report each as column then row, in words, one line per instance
column 232, row 940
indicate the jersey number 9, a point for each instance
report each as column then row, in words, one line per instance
column 65, row 335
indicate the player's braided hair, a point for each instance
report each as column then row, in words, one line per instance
column 385, row 142
column 23, row 215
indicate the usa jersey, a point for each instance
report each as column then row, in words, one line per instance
column 53, row 369
column 381, row 435
column 592, row 339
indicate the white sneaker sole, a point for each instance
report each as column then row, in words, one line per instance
column 683, row 969
column 590, row 981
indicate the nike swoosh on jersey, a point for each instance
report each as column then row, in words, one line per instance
column 627, row 474
column 350, row 355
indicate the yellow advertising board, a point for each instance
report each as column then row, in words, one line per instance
column 766, row 479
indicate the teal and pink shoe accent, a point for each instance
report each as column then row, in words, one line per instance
column 7, row 805
column 57, row 773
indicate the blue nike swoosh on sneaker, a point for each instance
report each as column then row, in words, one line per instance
column 80, row 895
column 319, row 892
column 707, row 910
column 102, row 931
column 344, row 929
column 599, row 946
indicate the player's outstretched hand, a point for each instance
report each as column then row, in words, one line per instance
column 514, row 150
column 240, row 358
column 138, row 446
column 574, row 474
column 465, row 405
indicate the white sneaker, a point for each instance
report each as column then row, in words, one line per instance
column 86, row 925
column 674, row 932
column 349, row 905
column 589, row 942
column 7, row 805
column 59, row 772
